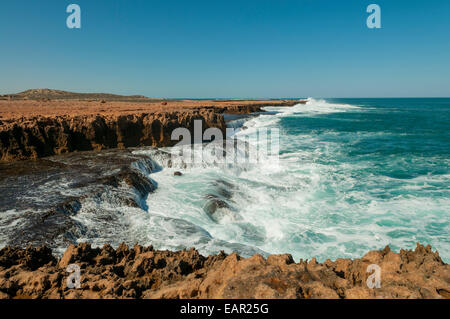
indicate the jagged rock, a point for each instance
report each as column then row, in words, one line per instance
column 30, row 258
column 142, row 272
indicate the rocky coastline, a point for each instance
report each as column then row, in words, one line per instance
column 142, row 272
column 32, row 129
column 36, row 126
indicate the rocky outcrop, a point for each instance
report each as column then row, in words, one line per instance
column 140, row 272
column 43, row 136
column 30, row 129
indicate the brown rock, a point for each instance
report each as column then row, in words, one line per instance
column 32, row 129
column 141, row 272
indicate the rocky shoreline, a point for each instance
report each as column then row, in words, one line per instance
column 36, row 129
column 142, row 272
column 41, row 127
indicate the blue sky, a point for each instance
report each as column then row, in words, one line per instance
column 246, row 48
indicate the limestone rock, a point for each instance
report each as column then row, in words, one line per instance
column 142, row 272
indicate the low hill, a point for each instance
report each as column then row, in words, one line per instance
column 48, row 94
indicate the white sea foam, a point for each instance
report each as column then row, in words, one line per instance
column 311, row 205
column 312, row 107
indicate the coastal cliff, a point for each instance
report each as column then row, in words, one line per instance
column 141, row 272
column 35, row 129
column 41, row 137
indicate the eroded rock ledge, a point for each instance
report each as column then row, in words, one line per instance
column 41, row 137
column 140, row 272
column 34, row 129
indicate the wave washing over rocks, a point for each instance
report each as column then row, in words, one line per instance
column 97, row 196
column 43, row 202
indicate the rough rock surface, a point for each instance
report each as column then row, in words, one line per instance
column 32, row 129
column 42, row 137
column 140, row 272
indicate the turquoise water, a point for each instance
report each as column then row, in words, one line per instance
column 353, row 175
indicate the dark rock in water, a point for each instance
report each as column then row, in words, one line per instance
column 217, row 203
column 178, row 174
column 216, row 208
column 244, row 127
column 214, row 203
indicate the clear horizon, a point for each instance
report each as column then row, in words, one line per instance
column 233, row 49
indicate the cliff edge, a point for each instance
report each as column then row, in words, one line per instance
column 35, row 129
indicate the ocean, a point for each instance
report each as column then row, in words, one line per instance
column 351, row 175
